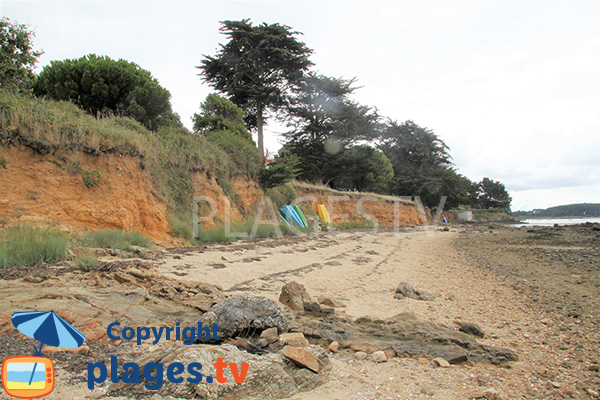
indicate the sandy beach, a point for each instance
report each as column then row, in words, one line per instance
column 533, row 291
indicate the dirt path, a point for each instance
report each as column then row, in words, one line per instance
column 362, row 271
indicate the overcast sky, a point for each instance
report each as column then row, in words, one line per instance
column 513, row 87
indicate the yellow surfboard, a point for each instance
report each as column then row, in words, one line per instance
column 322, row 210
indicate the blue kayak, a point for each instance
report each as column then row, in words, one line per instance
column 291, row 215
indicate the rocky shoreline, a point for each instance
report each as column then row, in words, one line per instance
column 479, row 311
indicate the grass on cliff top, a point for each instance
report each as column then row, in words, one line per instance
column 61, row 124
column 26, row 245
column 172, row 154
column 326, row 190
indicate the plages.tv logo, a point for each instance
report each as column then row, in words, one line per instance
column 30, row 377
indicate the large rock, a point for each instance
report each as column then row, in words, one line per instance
column 406, row 290
column 295, row 296
column 403, row 335
column 471, row 329
column 269, row 376
column 245, row 313
column 302, row 357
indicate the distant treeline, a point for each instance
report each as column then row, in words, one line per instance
column 569, row 210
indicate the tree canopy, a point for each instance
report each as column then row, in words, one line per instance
column 17, row 57
column 222, row 123
column 99, row 84
column 218, row 113
column 493, row 194
column 320, row 109
column 256, row 68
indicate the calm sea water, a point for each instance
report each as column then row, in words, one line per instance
column 560, row 221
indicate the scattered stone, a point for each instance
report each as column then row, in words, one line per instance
column 593, row 393
column 245, row 312
column 334, row 347
column 295, row 296
column 295, row 339
column 33, row 279
column 360, row 355
column 576, row 279
column 405, row 290
column 471, row 329
column 270, row 376
column 328, row 301
column 326, row 310
column 269, row 334
column 428, row 390
column 491, row 394
column 379, row 356
column 439, row 361
column 224, row 258
column 422, row 360
column 209, row 296
column 302, row 357
column 142, row 252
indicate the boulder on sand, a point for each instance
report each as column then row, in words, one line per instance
column 406, row 290
column 295, row 296
column 269, row 376
column 245, row 312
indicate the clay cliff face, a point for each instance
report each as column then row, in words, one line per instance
column 46, row 190
column 385, row 209
column 77, row 192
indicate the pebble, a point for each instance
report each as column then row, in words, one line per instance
column 360, row 355
column 422, row 360
column 379, row 356
column 441, row 362
column 491, row 394
column 334, row 347
column 428, row 390
column 576, row 279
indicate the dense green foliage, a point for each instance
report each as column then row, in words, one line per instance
column 25, row 245
column 256, row 68
column 493, row 194
column 569, row 210
column 326, row 124
column 282, row 195
column 278, row 171
column 320, row 109
column 101, row 85
column 222, row 123
column 171, row 154
column 52, row 126
column 17, row 57
column 219, row 114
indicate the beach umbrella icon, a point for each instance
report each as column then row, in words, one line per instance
column 48, row 328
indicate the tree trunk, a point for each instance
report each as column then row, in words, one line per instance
column 259, row 125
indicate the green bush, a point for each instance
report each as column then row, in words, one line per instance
column 355, row 224
column 115, row 239
column 279, row 172
column 179, row 228
column 282, row 195
column 50, row 125
column 91, row 178
column 25, row 245
column 214, row 235
column 85, row 260
column 243, row 156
